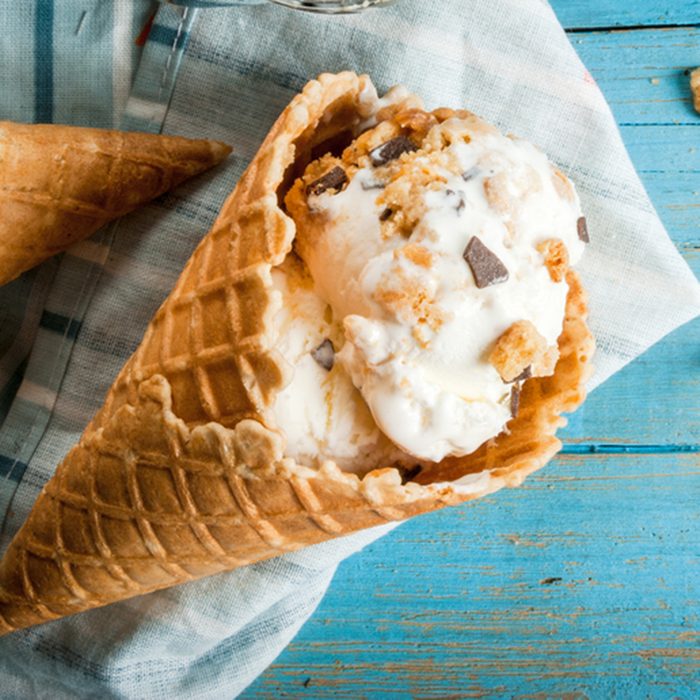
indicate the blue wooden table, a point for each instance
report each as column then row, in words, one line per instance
column 585, row 582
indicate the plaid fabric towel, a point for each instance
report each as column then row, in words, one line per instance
column 67, row 327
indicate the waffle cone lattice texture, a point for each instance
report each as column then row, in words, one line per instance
column 59, row 184
column 178, row 477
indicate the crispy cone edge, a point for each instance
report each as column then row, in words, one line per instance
column 59, row 184
column 177, row 476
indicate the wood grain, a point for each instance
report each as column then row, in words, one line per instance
column 654, row 401
column 581, row 14
column 585, row 582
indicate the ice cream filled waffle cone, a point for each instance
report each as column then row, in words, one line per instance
column 254, row 418
column 59, row 184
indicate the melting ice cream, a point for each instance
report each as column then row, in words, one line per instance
column 436, row 251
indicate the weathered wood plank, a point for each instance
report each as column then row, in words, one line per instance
column 642, row 73
column 578, row 582
column 656, row 400
column 614, row 13
column 653, row 401
column 667, row 159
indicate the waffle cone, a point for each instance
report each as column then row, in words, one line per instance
column 178, row 477
column 59, row 184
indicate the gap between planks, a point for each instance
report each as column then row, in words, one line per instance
column 607, row 448
column 631, row 28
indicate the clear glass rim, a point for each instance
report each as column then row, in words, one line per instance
column 317, row 6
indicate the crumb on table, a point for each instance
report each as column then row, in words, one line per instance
column 695, row 87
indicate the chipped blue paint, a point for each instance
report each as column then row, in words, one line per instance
column 592, row 14
column 582, row 449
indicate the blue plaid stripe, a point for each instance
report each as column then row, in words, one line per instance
column 63, row 325
column 11, row 468
column 155, row 81
column 168, row 36
column 11, row 385
column 21, row 305
column 41, row 313
column 43, row 68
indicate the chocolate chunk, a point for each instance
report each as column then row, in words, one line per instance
column 385, row 214
column 525, row 374
column 333, row 180
column 373, row 185
column 324, row 354
column 582, row 229
column 457, row 198
column 485, row 265
column 514, row 400
column 391, row 150
column 470, row 174
column 410, row 473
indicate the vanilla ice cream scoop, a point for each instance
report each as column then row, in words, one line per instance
column 441, row 248
column 320, row 411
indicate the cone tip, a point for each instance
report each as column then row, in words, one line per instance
column 220, row 150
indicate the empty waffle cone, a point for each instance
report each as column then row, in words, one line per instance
column 59, row 184
column 178, row 477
